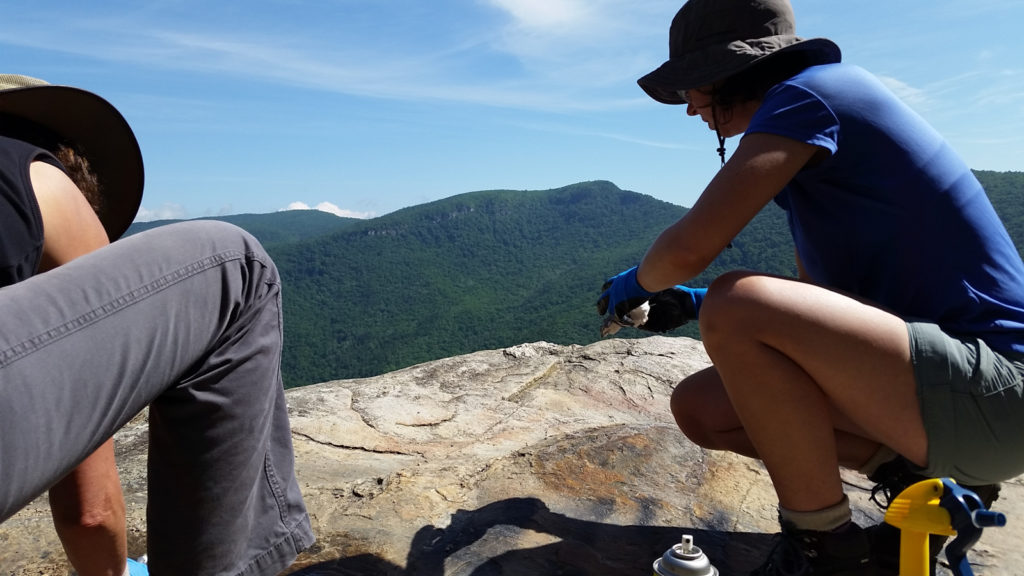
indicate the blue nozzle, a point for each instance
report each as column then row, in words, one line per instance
column 988, row 519
column 968, row 516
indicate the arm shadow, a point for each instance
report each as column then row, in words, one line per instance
column 522, row 536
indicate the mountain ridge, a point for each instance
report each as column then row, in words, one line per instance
column 487, row 269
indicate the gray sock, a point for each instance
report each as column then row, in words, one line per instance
column 823, row 520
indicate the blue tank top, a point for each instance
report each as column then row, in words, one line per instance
column 893, row 214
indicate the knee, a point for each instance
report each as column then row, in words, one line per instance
column 220, row 235
column 225, row 238
column 238, row 270
column 689, row 415
column 730, row 304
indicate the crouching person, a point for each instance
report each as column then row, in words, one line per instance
column 899, row 350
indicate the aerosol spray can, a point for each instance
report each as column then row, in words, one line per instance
column 684, row 559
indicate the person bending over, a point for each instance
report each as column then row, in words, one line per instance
column 185, row 319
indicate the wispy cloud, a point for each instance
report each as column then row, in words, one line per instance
column 560, row 47
column 569, row 40
column 546, row 14
column 958, row 9
column 914, row 97
column 164, row 212
column 330, row 208
column 555, row 128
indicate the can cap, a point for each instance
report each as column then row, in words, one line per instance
column 684, row 559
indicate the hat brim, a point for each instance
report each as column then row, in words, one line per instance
column 100, row 132
column 666, row 82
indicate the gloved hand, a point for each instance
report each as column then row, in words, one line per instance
column 622, row 293
column 137, row 568
column 673, row 307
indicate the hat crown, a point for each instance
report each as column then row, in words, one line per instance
column 710, row 40
column 14, row 81
column 94, row 127
column 703, row 24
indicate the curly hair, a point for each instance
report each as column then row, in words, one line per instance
column 81, row 173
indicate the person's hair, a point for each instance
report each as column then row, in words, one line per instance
column 75, row 162
column 753, row 83
column 81, row 173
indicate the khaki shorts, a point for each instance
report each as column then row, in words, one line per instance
column 972, row 403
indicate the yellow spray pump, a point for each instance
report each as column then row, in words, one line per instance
column 939, row 506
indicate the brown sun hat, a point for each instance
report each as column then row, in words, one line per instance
column 710, row 40
column 93, row 126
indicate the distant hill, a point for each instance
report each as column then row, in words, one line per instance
column 476, row 271
column 272, row 228
column 486, row 270
column 1006, row 191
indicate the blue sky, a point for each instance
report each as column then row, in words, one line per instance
column 363, row 107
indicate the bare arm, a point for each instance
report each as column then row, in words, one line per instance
column 70, row 227
column 87, row 505
column 761, row 166
column 89, row 515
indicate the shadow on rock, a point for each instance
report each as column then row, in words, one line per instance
column 522, row 536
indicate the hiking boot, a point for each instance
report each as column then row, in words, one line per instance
column 844, row 551
column 885, row 549
column 891, row 479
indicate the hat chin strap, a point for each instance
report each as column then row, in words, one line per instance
column 721, row 139
column 721, row 145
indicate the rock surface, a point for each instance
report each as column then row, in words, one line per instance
column 536, row 459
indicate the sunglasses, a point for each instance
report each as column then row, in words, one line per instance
column 685, row 95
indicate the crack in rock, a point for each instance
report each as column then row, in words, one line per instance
column 354, row 448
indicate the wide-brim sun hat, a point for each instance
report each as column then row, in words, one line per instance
column 710, row 40
column 96, row 129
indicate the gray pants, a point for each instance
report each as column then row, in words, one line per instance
column 186, row 319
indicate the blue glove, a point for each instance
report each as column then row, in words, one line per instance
column 673, row 307
column 622, row 293
column 137, row 568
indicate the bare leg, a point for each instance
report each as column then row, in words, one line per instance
column 790, row 355
column 704, row 413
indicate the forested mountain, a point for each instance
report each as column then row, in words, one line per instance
column 273, row 228
column 1006, row 190
column 486, row 270
column 476, row 271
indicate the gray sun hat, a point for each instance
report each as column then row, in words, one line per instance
column 710, row 40
column 95, row 127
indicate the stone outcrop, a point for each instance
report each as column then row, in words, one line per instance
column 536, row 459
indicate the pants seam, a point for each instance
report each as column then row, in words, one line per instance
column 35, row 343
